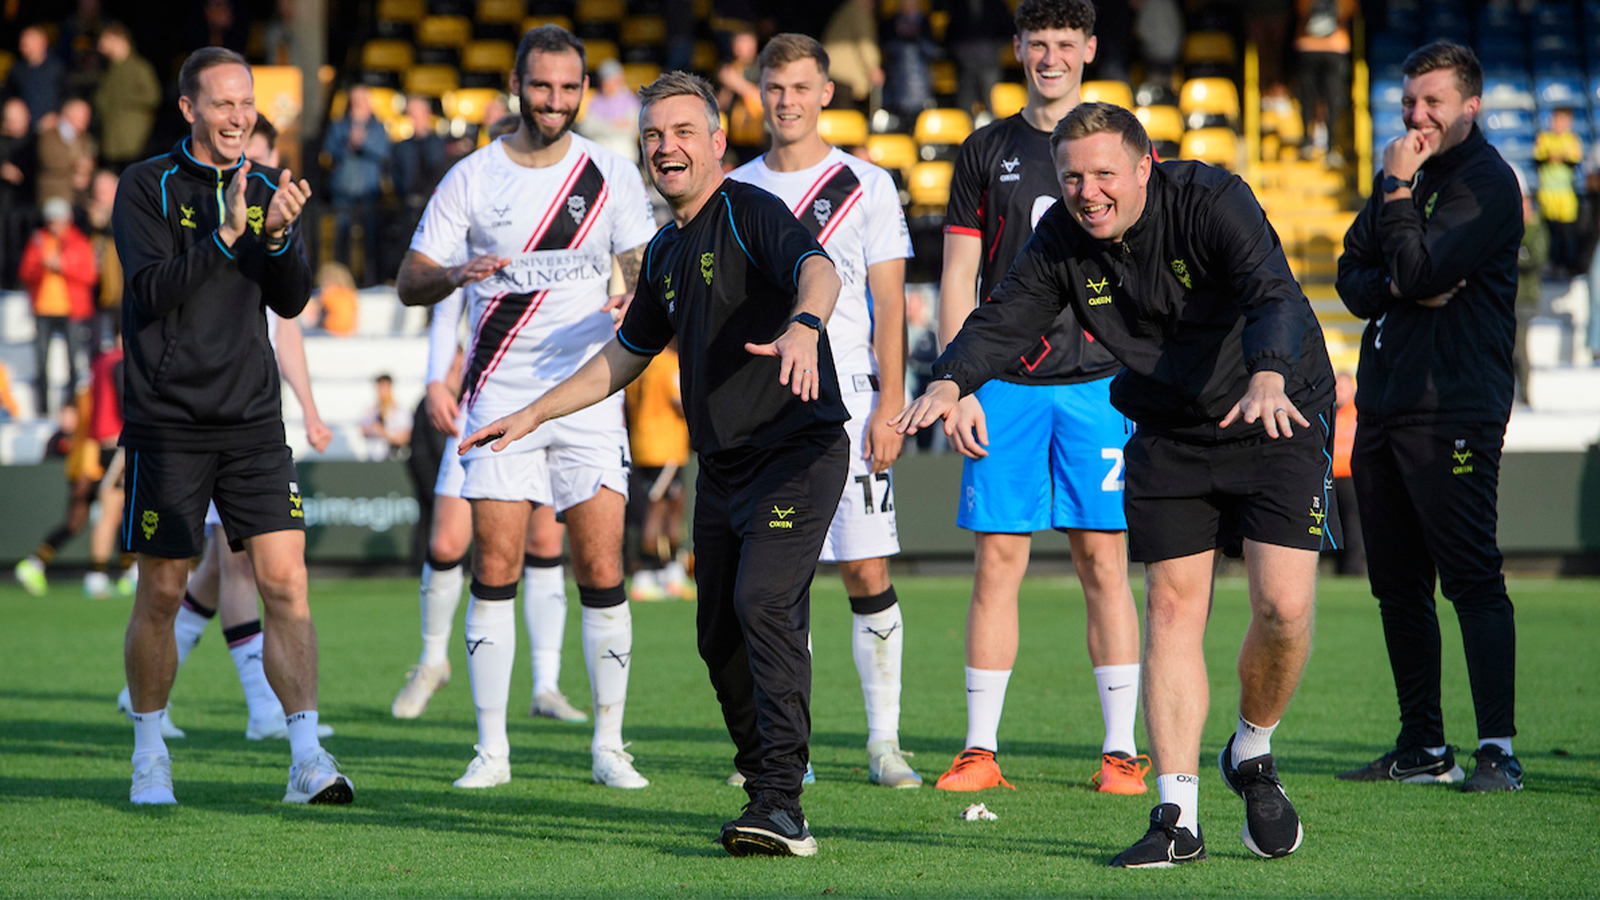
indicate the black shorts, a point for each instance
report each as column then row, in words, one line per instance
column 257, row 491
column 1183, row 498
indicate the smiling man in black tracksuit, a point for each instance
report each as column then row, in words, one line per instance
column 1173, row 268
column 1432, row 262
column 206, row 246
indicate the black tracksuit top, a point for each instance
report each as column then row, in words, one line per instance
column 1194, row 299
column 1452, row 364
column 200, row 370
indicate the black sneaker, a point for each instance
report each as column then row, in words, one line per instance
column 1412, row 765
column 1495, row 772
column 1271, row 826
column 1165, row 845
column 772, row 825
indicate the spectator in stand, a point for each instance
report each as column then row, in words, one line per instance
column 59, row 271
column 854, row 60
column 923, row 339
column 19, row 169
column 1322, row 44
column 277, row 38
column 1351, row 559
column 334, row 306
column 977, row 31
column 388, row 426
column 1559, row 152
column 96, row 220
column 66, row 155
column 86, row 461
column 908, row 54
column 218, row 25
column 420, row 160
column 76, row 47
column 1531, row 258
column 1160, row 27
column 37, row 76
column 679, row 15
column 125, row 100
column 739, row 94
column 612, row 116
column 494, row 109
column 360, row 150
column 8, row 401
column 1266, row 24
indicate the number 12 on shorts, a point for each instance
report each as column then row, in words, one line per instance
column 1113, row 479
column 866, row 492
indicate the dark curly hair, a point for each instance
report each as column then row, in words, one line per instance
column 1037, row 15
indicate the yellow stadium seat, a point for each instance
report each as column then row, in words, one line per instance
column 399, row 130
column 387, row 56
column 1007, row 98
column 444, row 31
column 1209, row 47
column 945, row 77
column 706, row 58
column 639, row 74
column 532, row 22
column 407, row 11
column 488, row 56
column 601, row 10
column 893, row 151
column 388, row 104
column 1209, row 97
column 1007, row 57
column 599, row 51
column 1161, row 123
column 842, row 127
column 431, row 81
column 1116, row 93
column 942, row 126
column 938, row 23
column 1217, row 146
column 930, row 183
column 501, row 12
column 644, row 31
column 467, row 103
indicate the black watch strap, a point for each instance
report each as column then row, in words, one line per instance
column 808, row 320
column 1392, row 183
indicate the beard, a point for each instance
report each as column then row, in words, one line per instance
column 537, row 130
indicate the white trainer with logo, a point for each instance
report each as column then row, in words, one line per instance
column 152, row 783
column 316, row 779
column 613, row 767
column 485, row 771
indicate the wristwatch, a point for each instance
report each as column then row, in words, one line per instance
column 808, row 320
column 1392, row 183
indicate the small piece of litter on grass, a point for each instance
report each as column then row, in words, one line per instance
column 978, row 812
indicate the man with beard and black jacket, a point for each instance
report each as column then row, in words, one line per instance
column 1432, row 262
column 1173, row 268
column 207, row 245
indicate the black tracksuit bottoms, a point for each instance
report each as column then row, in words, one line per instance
column 760, row 516
column 1427, row 496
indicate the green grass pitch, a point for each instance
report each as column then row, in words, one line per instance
column 66, row 829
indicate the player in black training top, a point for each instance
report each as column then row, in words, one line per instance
column 1174, row 268
column 747, row 290
column 1042, row 440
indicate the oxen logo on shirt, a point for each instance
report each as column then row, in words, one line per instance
column 667, row 283
column 1317, row 515
column 576, row 207
column 1181, row 269
column 1462, row 457
column 823, row 210
column 706, row 261
column 188, row 216
column 782, row 520
column 1427, row 211
column 1010, row 165
column 255, row 218
column 1099, row 288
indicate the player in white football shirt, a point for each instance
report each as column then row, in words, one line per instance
column 853, row 209
column 538, row 216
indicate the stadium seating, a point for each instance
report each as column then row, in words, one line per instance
column 843, row 127
column 893, row 151
column 1217, row 146
column 440, row 39
column 500, row 12
column 1007, row 98
column 431, row 81
column 1117, row 93
column 939, row 132
column 387, row 55
column 1164, row 125
column 467, row 104
column 599, row 50
column 486, row 63
column 398, row 18
column 1209, row 102
column 945, row 77
column 930, row 186
column 639, row 74
column 533, row 22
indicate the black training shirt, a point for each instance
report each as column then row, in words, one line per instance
column 1004, row 180
column 727, row 278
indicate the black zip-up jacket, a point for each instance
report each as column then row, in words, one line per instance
column 200, row 370
column 1195, row 299
column 1452, row 364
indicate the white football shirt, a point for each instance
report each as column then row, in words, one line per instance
column 853, row 209
column 538, row 319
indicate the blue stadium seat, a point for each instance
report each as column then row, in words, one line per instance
column 1501, row 50
column 1559, row 90
column 1499, row 18
column 1390, row 48
column 1508, row 122
column 1386, row 93
column 1548, row 47
column 1552, row 18
column 1503, row 91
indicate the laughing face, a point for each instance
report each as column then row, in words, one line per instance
column 551, row 87
column 1053, row 59
column 1102, row 184
column 793, row 97
column 682, row 147
column 222, row 113
column 1432, row 105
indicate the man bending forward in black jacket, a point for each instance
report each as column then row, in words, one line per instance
column 207, row 245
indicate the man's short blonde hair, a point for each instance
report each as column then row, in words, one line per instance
column 1102, row 118
column 681, row 84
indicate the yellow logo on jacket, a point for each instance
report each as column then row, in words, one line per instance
column 1099, row 287
column 255, row 218
column 706, row 261
column 148, row 523
column 782, row 520
column 666, row 282
column 1181, row 269
column 188, row 216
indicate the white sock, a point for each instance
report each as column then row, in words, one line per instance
column 303, row 734
column 258, row 695
column 986, row 700
column 877, row 643
column 544, row 611
column 187, row 629
column 491, row 634
column 1251, row 740
column 1504, row 743
column 1119, row 706
column 147, row 741
column 1184, row 790
column 441, row 594
column 1439, row 751
column 608, row 652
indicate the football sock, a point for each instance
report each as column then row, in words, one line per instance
column 544, row 612
column 441, row 593
column 190, row 625
column 1119, row 706
column 1504, row 743
column 1251, row 740
column 986, row 700
column 877, row 644
column 1183, row 790
column 608, row 652
column 147, row 740
column 491, row 634
column 245, row 645
column 303, row 739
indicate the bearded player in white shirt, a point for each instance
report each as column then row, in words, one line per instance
column 853, row 209
column 538, row 216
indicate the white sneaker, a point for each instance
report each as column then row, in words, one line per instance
column 421, row 683
column 737, row 778
column 316, row 779
column 97, row 585
column 554, row 705
column 613, row 767
column 485, row 771
column 152, row 783
column 886, row 765
column 276, row 728
column 168, row 730
column 646, row 587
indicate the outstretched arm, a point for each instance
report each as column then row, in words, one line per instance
column 607, row 372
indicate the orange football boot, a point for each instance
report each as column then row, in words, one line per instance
column 1121, row 774
column 972, row 770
